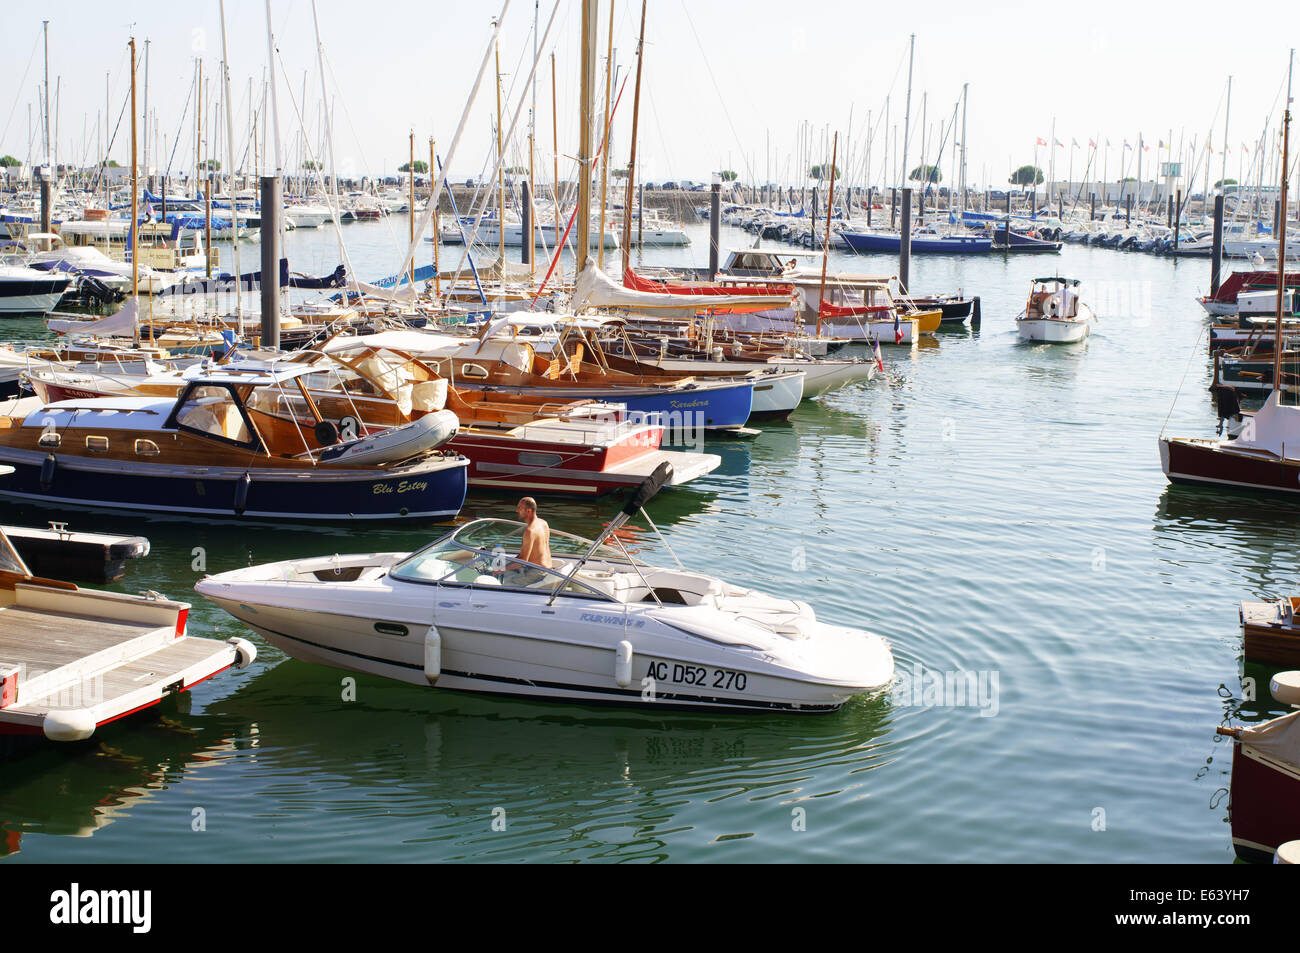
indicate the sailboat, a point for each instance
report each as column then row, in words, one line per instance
column 1266, row 456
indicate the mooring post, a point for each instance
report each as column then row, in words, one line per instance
column 1128, row 210
column 270, row 282
column 715, row 222
column 893, row 208
column 526, row 213
column 905, row 245
column 46, row 200
column 1216, row 255
column 207, row 224
column 1178, row 215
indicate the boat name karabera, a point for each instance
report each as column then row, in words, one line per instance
column 682, row 405
column 406, row 486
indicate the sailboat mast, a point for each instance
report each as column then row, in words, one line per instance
column 965, row 88
column 826, row 243
column 587, row 81
column 1223, row 171
column 532, row 169
column 631, row 161
column 411, row 215
column 1281, row 234
column 437, row 281
column 555, row 151
column 231, row 188
column 45, row 26
column 501, row 181
column 907, row 116
column 604, row 152
column 135, row 209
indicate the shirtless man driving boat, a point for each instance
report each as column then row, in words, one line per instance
column 535, row 547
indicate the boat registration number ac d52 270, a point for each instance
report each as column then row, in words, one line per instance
column 697, row 675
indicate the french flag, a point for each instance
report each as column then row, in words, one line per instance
column 898, row 330
column 875, row 350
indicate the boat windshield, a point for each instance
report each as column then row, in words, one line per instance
column 483, row 553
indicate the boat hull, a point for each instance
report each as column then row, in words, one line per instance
column 1262, row 804
column 681, row 411
column 479, row 653
column 1194, row 462
column 1052, row 331
column 955, row 245
column 427, row 490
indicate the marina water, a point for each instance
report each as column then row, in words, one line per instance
column 1064, row 624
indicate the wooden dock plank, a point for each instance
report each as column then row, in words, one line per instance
column 163, row 665
column 43, row 641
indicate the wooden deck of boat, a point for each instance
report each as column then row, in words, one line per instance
column 1266, row 640
column 164, row 664
column 43, row 641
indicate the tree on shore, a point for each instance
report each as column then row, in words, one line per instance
column 1027, row 175
column 421, row 167
column 926, row 173
column 820, row 172
column 729, row 175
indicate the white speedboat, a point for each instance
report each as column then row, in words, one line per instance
column 1054, row 313
column 464, row 613
column 26, row 291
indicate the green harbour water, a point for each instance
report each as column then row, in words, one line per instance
column 995, row 509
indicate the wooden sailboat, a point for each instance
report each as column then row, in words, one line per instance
column 1266, row 778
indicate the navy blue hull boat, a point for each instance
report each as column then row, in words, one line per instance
column 232, row 444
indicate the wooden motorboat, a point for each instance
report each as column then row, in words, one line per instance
column 1266, row 778
column 207, row 451
column 1270, row 632
column 1054, row 313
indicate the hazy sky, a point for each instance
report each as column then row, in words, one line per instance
column 722, row 79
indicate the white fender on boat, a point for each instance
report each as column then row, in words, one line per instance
column 432, row 654
column 396, row 443
column 1288, row 853
column 1285, row 687
column 623, row 664
column 245, row 652
column 69, row 724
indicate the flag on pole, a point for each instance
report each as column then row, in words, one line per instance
column 1058, row 142
column 1041, row 142
column 875, row 350
column 898, row 329
column 1126, row 145
column 1092, row 144
column 1160, row 143
column 1107, row 143
column 1074, row 143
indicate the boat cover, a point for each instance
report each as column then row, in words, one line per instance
column 595, row 289
column 1278, row 739
column 1276, row 429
